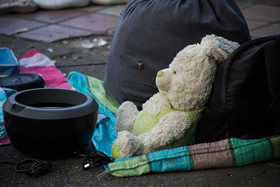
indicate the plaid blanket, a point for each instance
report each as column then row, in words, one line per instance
column 231, row 152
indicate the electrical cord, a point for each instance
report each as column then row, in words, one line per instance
column 94, row 158
column 30, row 166
column 36, row 167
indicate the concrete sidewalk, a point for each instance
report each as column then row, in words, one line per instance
column 60, row 35
column 52, row 25
column 48, row 26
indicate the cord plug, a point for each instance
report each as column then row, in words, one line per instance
column 96, row 159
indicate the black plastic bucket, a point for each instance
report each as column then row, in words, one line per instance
column 50, row 122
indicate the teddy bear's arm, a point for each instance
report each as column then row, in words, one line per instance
column 126, row 116
column 170, row 128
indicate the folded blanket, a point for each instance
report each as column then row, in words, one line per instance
column 231, row 152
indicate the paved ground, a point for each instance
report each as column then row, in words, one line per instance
column 53, row 35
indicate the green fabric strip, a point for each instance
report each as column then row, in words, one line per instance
column 275, row 143
column 97, row 89
column 131, row 167
column 250, row 151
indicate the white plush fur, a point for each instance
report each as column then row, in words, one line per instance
column 125, row 119
column 185, row 85
column 195, row 68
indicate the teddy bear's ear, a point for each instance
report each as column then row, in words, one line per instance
column 217, row 47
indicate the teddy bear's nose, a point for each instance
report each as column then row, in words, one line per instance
column 160, row 73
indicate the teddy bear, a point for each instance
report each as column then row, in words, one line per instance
column 169, row 118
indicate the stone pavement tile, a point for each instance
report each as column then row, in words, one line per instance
column 53, row 32
column 113, row 10
column 11, row 25
column 97, row 23
column 262, row 13
column 255, row 24
column 52, row 16
column 272, row 29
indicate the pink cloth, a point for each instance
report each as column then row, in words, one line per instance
column 4, row 140
column 35, row 62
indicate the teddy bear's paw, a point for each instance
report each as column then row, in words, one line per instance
column 126, row 116
column 126, row 145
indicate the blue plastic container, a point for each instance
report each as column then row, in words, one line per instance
column 8, row 62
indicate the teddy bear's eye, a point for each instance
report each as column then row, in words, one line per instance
column 174, row 72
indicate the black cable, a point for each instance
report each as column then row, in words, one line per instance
column 96, row 159
column 36, row 167
column 93, row 158
column 30, row 166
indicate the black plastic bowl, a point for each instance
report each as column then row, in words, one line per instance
column 50, row 122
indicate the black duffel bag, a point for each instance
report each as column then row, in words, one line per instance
column 245, row 97
column 151, row 32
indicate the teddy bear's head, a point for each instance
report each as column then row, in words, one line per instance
column 188, row 81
